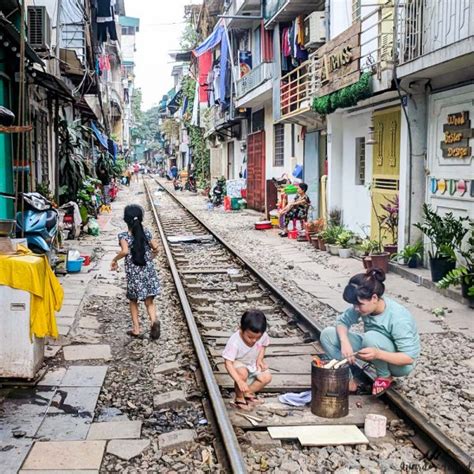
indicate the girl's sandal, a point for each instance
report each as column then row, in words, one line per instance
column 137, row 336
column 241, row 405
column 380, row 386
column 155, row 330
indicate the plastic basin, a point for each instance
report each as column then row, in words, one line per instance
column 74, row 266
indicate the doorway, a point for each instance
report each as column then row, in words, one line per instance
column 230, row 160
column 256, row 171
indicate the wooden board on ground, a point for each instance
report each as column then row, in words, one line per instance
column 320, row 435
column 279, row 383
column 274, row 341
column 274, row 413
column 277, row 350
column 299, row 364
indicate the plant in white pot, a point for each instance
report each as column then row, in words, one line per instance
column 345, row 239
column 332, row 234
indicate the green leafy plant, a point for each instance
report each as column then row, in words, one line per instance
column 369, row 246
column 331, row 234
column 345, row 239
column 390, row 219
column 410, row 252
column 445, row 233
column 335, row 217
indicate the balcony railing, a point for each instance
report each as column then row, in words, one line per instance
column 297, row 88
column 426, row 26
column 258, row 75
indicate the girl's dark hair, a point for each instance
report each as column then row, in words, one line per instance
column 364, row 285
column 253, row 320
column 303, row 187
column 133, row 216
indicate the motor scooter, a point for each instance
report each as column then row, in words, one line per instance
column 217, row 192
column 38, row 223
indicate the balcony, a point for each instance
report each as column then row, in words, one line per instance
column 214, row 119
column 287, row 10
column 253, row 86
column 250, row 8
column 432, row 33
column 296, row 91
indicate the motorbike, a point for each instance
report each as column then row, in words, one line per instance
column 38, row 223
column 191, row 184
column 177, row 184
column 217, row 192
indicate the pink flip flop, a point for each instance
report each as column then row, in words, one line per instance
column 381, row 383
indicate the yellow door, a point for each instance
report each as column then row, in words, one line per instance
column 385, row 168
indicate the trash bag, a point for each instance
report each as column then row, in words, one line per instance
column 93, row 227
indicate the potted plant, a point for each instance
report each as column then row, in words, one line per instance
column 332, row 234
column 322, row 240
column 411, row 255
column 390, row 222
column 464, row 274
column 446, row 234
column 344, row 240
column 367, row 246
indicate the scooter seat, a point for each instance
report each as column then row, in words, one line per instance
column 51, row 220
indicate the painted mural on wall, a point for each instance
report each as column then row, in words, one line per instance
column 452, row 187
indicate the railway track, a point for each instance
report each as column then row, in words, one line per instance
column 215, row 285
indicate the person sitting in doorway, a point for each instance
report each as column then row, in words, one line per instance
column 296, row 210
column 390, row 340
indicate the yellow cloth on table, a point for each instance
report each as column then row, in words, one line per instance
column 32, row 273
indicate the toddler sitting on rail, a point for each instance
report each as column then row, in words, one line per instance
column 243, row 354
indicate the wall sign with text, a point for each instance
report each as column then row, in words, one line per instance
column 457, row 132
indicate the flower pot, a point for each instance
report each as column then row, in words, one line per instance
column 440, row 267
column 315, row 242
column 322, row 244
column 381, row 261
column 345, row 253
column 334, row 249
column 391, row 249
column 367, row 262
column 412, row 262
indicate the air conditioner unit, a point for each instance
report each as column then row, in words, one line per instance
column 314, row 30
column 39, row 28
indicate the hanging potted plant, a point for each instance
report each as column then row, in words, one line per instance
column 464, row 274
column 446, row 234
column 345, row 240
column 411, row 255
column 390, row 223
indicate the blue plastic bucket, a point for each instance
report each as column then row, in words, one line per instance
column 74, row 266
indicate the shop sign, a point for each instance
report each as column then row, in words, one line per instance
column 339, row 61
column 457, row 132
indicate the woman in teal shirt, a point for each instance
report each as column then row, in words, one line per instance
column 390, row 340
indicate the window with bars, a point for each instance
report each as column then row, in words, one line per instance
column 41, row 147
column 360, row 161
column 279, row 145
column 356, row 7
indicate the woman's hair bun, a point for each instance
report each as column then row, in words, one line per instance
column 377, row 274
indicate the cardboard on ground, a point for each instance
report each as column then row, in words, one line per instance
column 320, row 435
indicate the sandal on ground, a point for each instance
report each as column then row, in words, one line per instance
column 138, row 336
column 155, row 330
column 241, row 405
column 254, row 400
column 380, row 386
column 361, row 389
column 283, row 234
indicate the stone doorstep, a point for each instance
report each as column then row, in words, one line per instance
column 115, row 430
column 65, row 455
column 173, row 399
column 127, row 449
column 176, row 439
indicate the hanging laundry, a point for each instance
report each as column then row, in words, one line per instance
column 285, row 42
column 106, row 21
column 267, row 43
column 204, row 66
column 300, row 31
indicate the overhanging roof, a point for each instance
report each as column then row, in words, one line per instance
column 130, row 21
column 14, row 34
column 181, row 56
column 53, row 84
column 287, row 10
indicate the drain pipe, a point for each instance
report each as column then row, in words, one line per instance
column 403, row 105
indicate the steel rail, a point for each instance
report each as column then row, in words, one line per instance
column 456, row 455
column 226, row 429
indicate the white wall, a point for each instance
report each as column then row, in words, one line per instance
column 355, row 199
column 439, row 106
column 340, row 16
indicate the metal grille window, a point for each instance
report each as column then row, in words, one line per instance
column 279, row 145
column 360, row 161
column 356, row 7
column 41, row 147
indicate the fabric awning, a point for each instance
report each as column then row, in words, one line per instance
column 100, row 136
